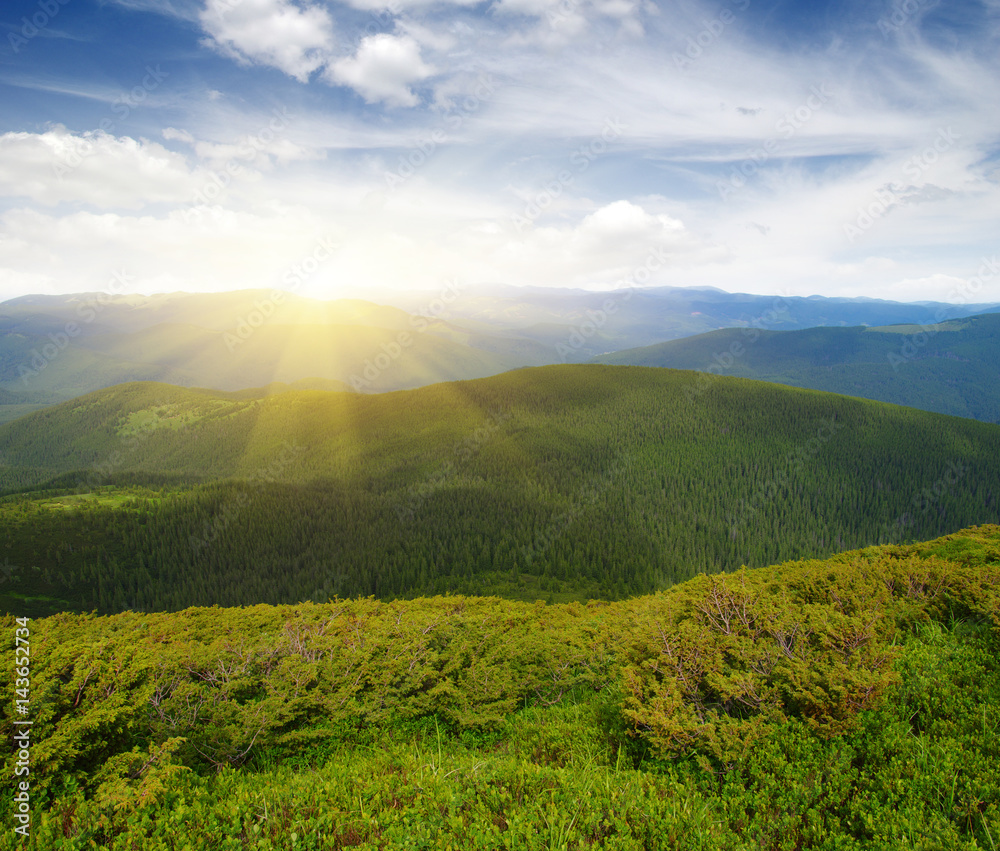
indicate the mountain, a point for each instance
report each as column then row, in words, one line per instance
column 950, row 367
column 54, row 348
column 221, row 312
column 580, row 324
column 563, row 481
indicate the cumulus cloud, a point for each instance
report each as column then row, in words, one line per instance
column 295, row 39
column 623, row 221
column 95, row 168
column 383, row 69
column 605, row 246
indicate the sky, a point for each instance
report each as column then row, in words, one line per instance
column 348, row 149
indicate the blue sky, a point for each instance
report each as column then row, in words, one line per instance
column 833, row 148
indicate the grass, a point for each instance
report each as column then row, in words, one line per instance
column 71, row 501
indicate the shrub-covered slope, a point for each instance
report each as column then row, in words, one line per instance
column 841, row 704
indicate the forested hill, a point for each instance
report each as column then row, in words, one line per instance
column 951, row 368
column 563, row 482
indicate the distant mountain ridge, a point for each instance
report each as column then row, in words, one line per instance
column 657, row 314
column 233, row 341
column 951, row 368
column 53, row 348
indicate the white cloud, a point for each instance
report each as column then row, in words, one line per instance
column 606, row 246
column 616, row 8
column 560, row 23
column 197, row 249
column 383, row 7
column 93, row 168
column 186, row 10
column 383, row 69
column 266, row 147
column 262, row 151
column 278, row 33
column 538, row 8
column 172, row 134
column 426, row 36
column 622, row 220
column 514, row 107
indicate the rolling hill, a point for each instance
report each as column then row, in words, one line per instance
column 566, row 482
column 952, row 367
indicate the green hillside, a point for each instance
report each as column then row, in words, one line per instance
column 951, row 368
column 549, row 483
column 850, row 704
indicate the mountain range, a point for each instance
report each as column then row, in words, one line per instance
column 54, row 348
column 951, row 367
